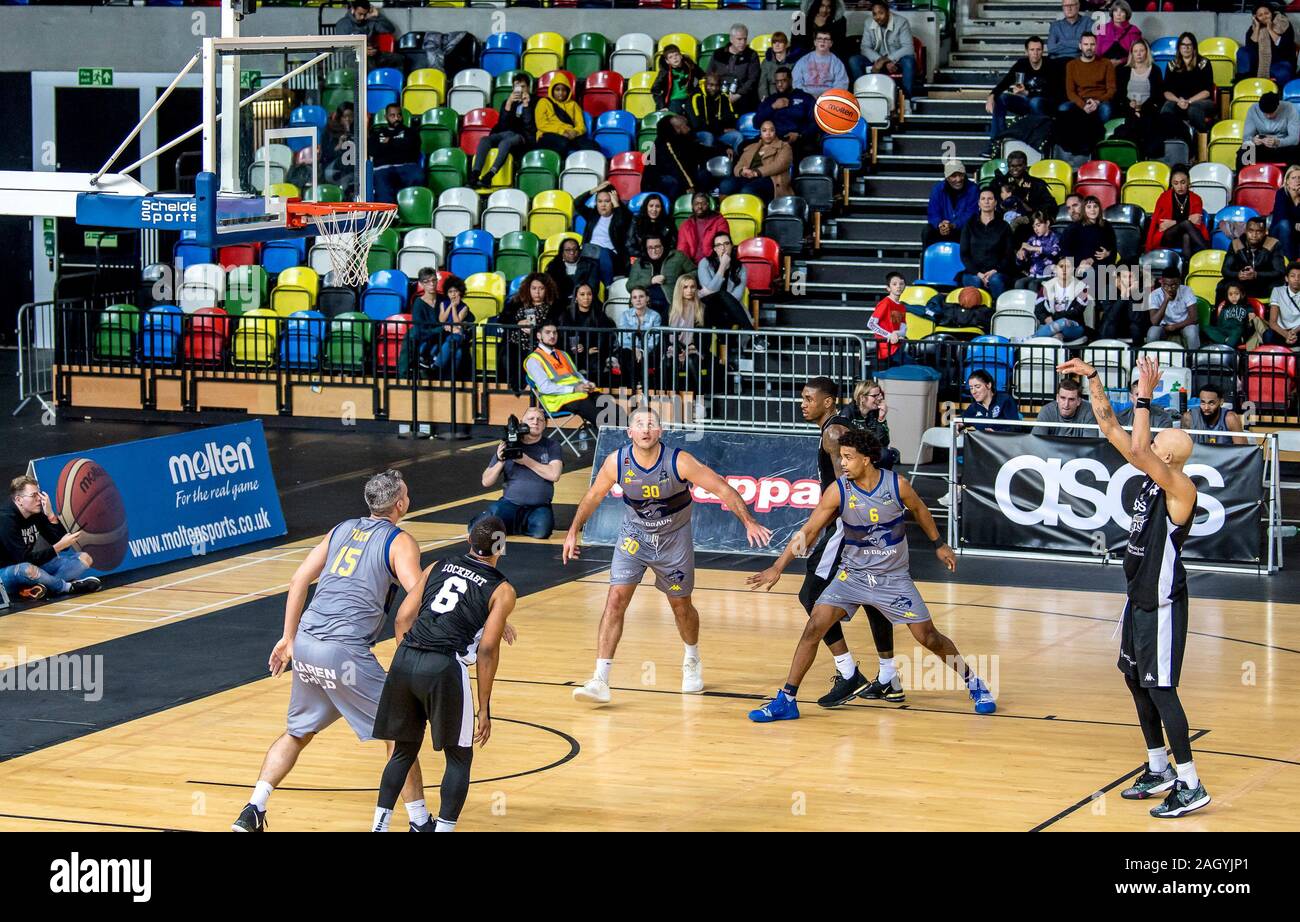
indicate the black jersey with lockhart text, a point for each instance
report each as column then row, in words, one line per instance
column 455, row 606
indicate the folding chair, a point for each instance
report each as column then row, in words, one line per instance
column 569, row 438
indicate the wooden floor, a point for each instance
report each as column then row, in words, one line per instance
column 654, row 759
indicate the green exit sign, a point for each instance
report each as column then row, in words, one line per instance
column 100, row 239
column 94, row 76
column 250, row 79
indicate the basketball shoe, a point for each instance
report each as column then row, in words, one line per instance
column 1181, row 801
column 594, row 691
column 782, row 707
column 250, row 820
column 843, row 689
column 1149, row 783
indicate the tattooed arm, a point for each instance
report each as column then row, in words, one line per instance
column 1101, row 407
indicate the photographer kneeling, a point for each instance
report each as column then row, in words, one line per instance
column 532, row 465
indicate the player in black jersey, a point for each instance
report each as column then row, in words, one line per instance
column 818, row 402
column 1154, row 622
column 454, row 618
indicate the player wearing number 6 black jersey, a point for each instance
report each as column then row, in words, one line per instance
column 656, row 533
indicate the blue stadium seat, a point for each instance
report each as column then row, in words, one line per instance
column 994, row 354
column 1220, row 240
column 638, row 201
column 940, row 265
column 1163, row 50
column 304, row 334
column 615, row 132
column 307, row 117
column 188, row 253
column 383, row 86
column 747, row 127
column 278, row 255
column 385, row 295
column 471, row 252
column 501, row 52
column 159, row 334
column 847, row 149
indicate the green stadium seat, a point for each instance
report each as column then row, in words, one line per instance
column 539, row 171
column 438, row 129
column 517, row 254
column 586, row 54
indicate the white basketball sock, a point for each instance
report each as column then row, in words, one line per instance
column 445, row 825
column 382, row 818
column 887, row 671
column 1187, row 775
column 417, row 812
column 602, row 669
column 1157, row 760
column 261, row 794
column 692, row 651
column 845, row 664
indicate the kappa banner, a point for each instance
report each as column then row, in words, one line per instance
column 154, row 500
column 1074, row 495
column 776, row 476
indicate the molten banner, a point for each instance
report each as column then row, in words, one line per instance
column 1032, row 492
column 776, row 476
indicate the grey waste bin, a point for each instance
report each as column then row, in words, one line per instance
column 911, row 393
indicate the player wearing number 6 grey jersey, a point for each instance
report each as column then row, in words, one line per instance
column 359, row 565
column 656, row 534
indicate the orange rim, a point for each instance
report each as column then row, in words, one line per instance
column 299, row 213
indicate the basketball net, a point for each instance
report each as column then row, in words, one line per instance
column 348, row 233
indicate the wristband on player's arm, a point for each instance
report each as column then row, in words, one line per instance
column 1142, row 403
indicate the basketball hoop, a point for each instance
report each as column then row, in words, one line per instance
column 347, row 229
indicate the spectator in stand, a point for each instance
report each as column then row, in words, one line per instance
column 986, row 252
column 988, row 403
column 567, row 269
column 1268, row 51
column 591, row 348
column 1286, row 213
column 791, row 111
column 887, row 49
column 560, row 125
column 395, row 153
column 653, row 221
column 1063, row 37
column 1173, row 311
column 763, row 167
column 1116, row 38
column 1213, row 416
column 425, row 333
column 1033, row 84
column 1037, row 256
column 1061, row 304
column 1189, row 92
column 1256, row 260
column 1284, row 310
column 1090, row 83
column 866, row 412
column 515, row 126
column 738, row 67
column 1235, row 322
column 695, row 234
column 778, row 55
column 451, row 313
column 525, row 503
column 1178, row 222
column 634, row 347
column 604, row 239
column 675, row 167
column 338, row 155
column 820, row 70
column 657, row 271
column 560, row 386
column 29, row 569
column 1139, row 94
column 1092, row 241
column 676, row 82
column 1069, row 407
column 1020, row 194
column 722, row 278
column 1074, row 207
column 889, row 320
column 954, row 200
column 1122, row 310
column 682, row 351
column 1271, row 133
column 823, row 14
column 364, row 19
column 1160, row 417
column 534, row 304
column 713, row 118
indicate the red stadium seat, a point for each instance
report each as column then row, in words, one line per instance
column 603, row 92
column 1257, row 186
column 392, row 333
column 1262, row 174
column 205, row 339
column 477, row 124
column 761, row 257
column 1105, row 193
column 1101, row 171
column 1270, row 377
column 544, row 82
column 625, row 173
column 239, row 254
column 385, row 42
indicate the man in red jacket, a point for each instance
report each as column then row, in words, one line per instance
column 695, row 236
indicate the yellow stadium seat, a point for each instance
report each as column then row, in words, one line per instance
column 955, row 295
column 1143, row 184
column 254, row 340
column 1203, row 286
column 744, row 214
column 543, row 53
column 687, row 44
column 425, row 89
column 1246, row 93
column 551, row 213
column 505, row 177
column 919, row 327
column 918, row 295
column 1222, row 55
column 760, row 44
column 1058, row 175
column 1225, row 141
column 1143, row 195
column 551, row 248
column 283, row 190
column 1207, row 262
column 295, row 290
column 485, row 294
column 637, row 98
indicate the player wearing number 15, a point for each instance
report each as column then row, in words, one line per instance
column 656, row 533
column 335, row 675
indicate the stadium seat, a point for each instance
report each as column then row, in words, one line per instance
column 307, row 117
column 761, row 257
column 414, row 208
column 603, row 92
column 1129, row 222
column 786, row 222
column 1213, row 183
column 245, row 289
column 710, row 43
column 160, row 334
column 1035, row 369
column 271, row 165
column 685, row 42
column 295, row 290
column 1291, row 92
column 457, row 211
column 1143, row 184
column 438, row 128
column 1171, row 354
column 552, row 244
column 1222, row 55
column 304, row 335
column 760, row 43
column 470, row 89
column 994, row 354
column 383, row 252
column 485, row 294
column 1163, row 51
column 1246, row 93
column 1113, row 359
column 637, row 97
column 239, row 254
column 1237, row 214
column 876, row 95
column 325, row 192
column 744, row 214
column 1271, row 377
column 517, row 253
column 202, row 285
column 551, row 213
column 625, row 173
column 203, row 342
column 506, row 211
column 348, row 342
column 1057, row 174
column 385, row 295
column 187, row 253
column 425, row 89
column 1100, row 178
column 539, row 171
column 390, row 334
column 476, row 125
column 1257, row 186
column 1157, row 261
column 1225, row 141
column 615, row 132
column 848, row 149
column 649, row 128
column 586, row 55
column 940, row 265
column 543, row 52
column 422, row 248
column 502, row 52
column 334, row 301
column 1119, row 151
column 1204, row 272
column 340, row 87
column 638, row 201
column 633, row 53
column 815, row 182
column 115, row 338
column 503, row 86
column 583, row 171
column 471, row 253
column 278, row 255
column 383, row 87
column 1014, row 323
column 447, row 169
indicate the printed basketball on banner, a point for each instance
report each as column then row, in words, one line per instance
column 89, row 502
column 837, row 112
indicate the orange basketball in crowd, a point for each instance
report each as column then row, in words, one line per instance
column 836, row 112
column 969, row 297
column 90, row 503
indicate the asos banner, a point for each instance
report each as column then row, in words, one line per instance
column 776, row 476
column 1074, row 495
column 146, row 502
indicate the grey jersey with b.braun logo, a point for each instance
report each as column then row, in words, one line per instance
column 875, row 527
column 657, row 500
column 356, row 586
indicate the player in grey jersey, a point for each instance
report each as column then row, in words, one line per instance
column 871, row 504
column 334, row 673
column 656, row 533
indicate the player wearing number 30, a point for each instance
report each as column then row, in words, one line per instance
column 656, row 533
column 872, row 505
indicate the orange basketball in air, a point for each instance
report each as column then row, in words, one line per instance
column 836, row 112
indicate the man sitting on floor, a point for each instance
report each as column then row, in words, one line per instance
column 28, row 569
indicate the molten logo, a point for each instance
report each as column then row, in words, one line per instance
column 212, row 460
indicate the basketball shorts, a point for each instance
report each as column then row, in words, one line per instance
column 671, row 556
column 333, row 680
column 425, row 687
column 894, row 595
column 823, row 565
column 1151, row 644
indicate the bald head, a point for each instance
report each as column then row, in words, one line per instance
column 1174, row 446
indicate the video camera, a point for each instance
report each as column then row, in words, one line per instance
column 514, row 439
